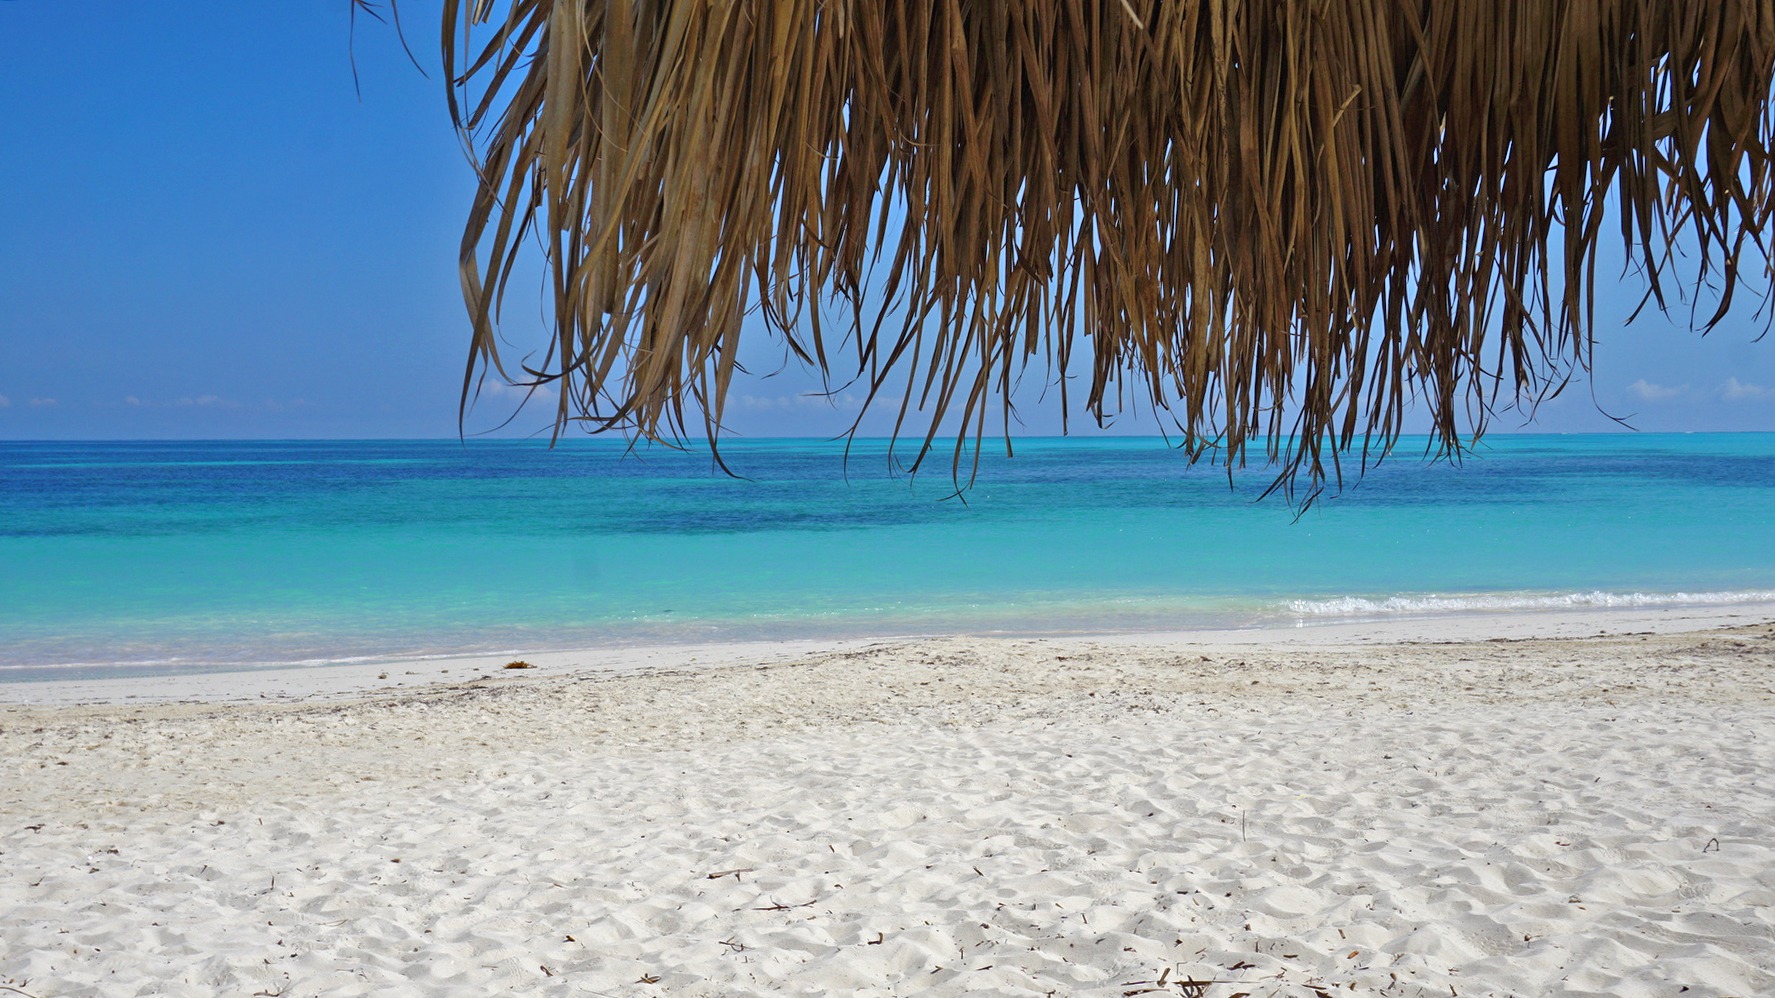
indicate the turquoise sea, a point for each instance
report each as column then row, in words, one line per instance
column 178, row 557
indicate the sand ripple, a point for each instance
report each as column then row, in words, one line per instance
column 1546, row 818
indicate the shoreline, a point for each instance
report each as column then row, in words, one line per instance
column 1535, row 815
column 374, row 676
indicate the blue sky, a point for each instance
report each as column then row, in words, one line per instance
column 207, row 234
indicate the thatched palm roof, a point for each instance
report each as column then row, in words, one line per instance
column 1274, row 220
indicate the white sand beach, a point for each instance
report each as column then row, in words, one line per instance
column 1280, row 815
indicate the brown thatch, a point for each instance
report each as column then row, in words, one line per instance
column 1274, row 220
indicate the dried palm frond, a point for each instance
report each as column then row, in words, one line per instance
column 1281, row 223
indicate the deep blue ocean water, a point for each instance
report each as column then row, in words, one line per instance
column 177, row 556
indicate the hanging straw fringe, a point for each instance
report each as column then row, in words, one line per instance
column 1279, row 222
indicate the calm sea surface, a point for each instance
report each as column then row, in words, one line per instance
column 180, row 557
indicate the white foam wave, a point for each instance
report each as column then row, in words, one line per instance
column 1434, row 603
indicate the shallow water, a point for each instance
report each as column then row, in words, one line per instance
column 177, row 556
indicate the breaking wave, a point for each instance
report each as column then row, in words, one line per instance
column 1432, row 603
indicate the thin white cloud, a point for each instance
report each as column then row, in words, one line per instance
column 1647, row 391
column 758, row 403
column 785, row 403
column 40, row 403
column 208, row 402
column 5, row 402
column 213, row 402
column 502, row 397
column 1739, row 391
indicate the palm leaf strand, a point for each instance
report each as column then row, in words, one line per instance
column 1279, row 223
